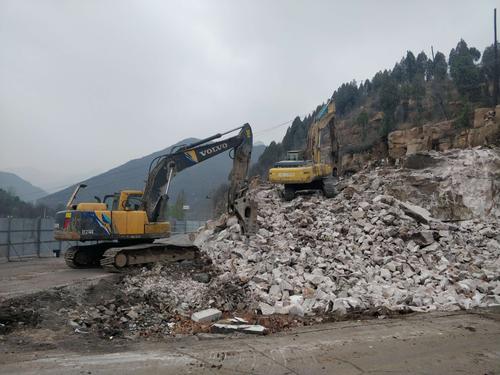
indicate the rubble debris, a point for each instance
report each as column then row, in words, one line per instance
column 16, row 315
column 364, row 249
column 208, row 315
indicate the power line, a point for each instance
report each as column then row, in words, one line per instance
column 128, row 171
column 273, row 127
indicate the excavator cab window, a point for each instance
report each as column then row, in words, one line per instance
column 294, row 155
column 133, row 202
column 111, row 201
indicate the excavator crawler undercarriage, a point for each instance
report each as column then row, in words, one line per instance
column 115, row 257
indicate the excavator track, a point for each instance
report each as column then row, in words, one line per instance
column 82, row 257
column 86, row 256
column 69, row 257
column 118, row 259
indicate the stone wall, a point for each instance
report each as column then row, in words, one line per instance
column 445, row 135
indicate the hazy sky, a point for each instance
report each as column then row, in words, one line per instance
column 86, row 85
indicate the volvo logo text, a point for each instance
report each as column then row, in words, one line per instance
column 213, row 149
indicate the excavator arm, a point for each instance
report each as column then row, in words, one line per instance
column 163, row 168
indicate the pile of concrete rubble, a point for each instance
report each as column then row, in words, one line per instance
column 158, row 301
column 363, row 249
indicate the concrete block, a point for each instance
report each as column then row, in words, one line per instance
column 209, row 315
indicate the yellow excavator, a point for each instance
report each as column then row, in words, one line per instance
column 129, row 227
column 315, row 167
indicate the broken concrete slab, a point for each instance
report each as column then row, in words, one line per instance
column 208, row 315
column 254, row 329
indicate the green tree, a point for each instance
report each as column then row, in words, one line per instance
column 11, row 205
column 389, row 100
column 389, row 97
column 437, row 73
column 488, row 64
column 368, row 87
column 464, row 119
column 346, row 97
column 295, row 135
column 410, row 64
column 421, row 66
column 439, row 67
column 273, row 153
column 379, row 78
column 398, row 72
column 464, row 72
column 362, row 122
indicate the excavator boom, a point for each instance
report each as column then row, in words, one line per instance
column 165, row 167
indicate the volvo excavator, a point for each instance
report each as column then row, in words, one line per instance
column 130, row 227
column 314, row 168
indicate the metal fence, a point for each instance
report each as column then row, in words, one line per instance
column 185, row 226
column 21, row 238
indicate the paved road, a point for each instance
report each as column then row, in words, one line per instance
column 423, row 344
column 32, row 275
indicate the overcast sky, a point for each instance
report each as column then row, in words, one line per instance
column 86, row 85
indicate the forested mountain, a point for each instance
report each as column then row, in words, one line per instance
column 19, row 187
column 417, row 90
column 193, row 186
column 11, row 205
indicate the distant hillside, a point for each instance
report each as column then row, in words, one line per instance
column 12, row 206
column 197, row 182
column 19, row 187
column 417, row 90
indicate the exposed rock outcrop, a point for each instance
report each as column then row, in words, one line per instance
column 445, row 135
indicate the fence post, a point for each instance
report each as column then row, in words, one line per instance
column 9, row 220
column 38, row 236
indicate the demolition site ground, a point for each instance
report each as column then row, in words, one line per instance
column 400, row 272
column 40, row 340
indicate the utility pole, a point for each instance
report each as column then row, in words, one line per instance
column 495, row 82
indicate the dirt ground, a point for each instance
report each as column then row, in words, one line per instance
column 434, row 343
column 32, row 275
column 37, row 339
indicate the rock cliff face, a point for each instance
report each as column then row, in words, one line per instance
column 453, row 185
column 445, row 135
column 439, row 136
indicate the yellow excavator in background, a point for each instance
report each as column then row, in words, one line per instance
column 125, row 225
column 314, row 168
